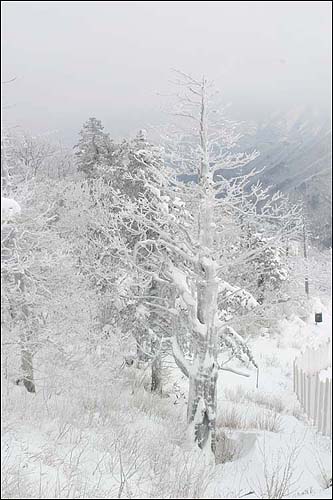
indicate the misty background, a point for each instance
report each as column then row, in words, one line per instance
column 64, row 62
column 73, row 60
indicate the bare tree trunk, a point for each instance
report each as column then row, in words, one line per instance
column 156, row 365
column 27, row 370
column 26, row 353
column 156, row 374
column 142, row 347
column 202, row 405
column 202, row 402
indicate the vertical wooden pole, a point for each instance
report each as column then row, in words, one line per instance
column 325, row 407
column 320, row 406
column 330, row 410
column 308, row 395
column 304, row 391
column 316, row 402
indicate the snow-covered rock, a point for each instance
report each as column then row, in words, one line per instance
column 9, row 209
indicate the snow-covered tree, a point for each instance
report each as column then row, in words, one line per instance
column 5, row 164
column 46, row 305
column 30, row 153
column 93, row 148
column 26, row 258
column 26, row 157
column 185, row 252
column 268, row 270
column 127, row 174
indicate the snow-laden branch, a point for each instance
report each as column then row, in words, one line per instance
column 179, row 357
column 233, row 370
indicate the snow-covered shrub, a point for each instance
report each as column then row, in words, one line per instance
column 236, row 395
column 180, row 474
column 227, row 449
column 240, row 417
column 230, row 417
column 10, row 209
column 267, row 400
column 279, row 472
column 14, row 482
column 266, row 420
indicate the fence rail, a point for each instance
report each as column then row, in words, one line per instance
column 313, row 391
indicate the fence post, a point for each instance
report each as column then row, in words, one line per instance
column 311, row 396
column 308, row 395
column 325, row 412
column 330, row 410
column 316, row 400
column 298, row 383
column 314, row 394
column 320, row 406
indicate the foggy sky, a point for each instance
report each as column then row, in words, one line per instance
column 73, row 60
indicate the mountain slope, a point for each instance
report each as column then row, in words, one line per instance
column 295, row 158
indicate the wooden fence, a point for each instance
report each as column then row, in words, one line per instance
column 313, row 391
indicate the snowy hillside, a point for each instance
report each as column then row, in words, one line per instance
column 116, row 440
column 295, row 153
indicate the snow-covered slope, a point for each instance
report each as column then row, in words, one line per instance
column 295, row 153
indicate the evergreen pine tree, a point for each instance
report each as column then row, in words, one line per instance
column 94, row 148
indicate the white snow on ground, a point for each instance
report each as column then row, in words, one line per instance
column 318, row 495
column 115, row 438
column 324, row 374
column 262, row 450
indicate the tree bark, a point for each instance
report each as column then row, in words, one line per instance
column 202, row 388
column 156, row 365
column 156, row 375
column 27, row 370
column 26, row 354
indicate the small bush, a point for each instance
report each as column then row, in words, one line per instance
column 235, row 395
column 272, row 361
column 268, row 421
column 266, row 400
column 230, row 418
column 279, row 471
column 226, row 449
column 264, row 420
